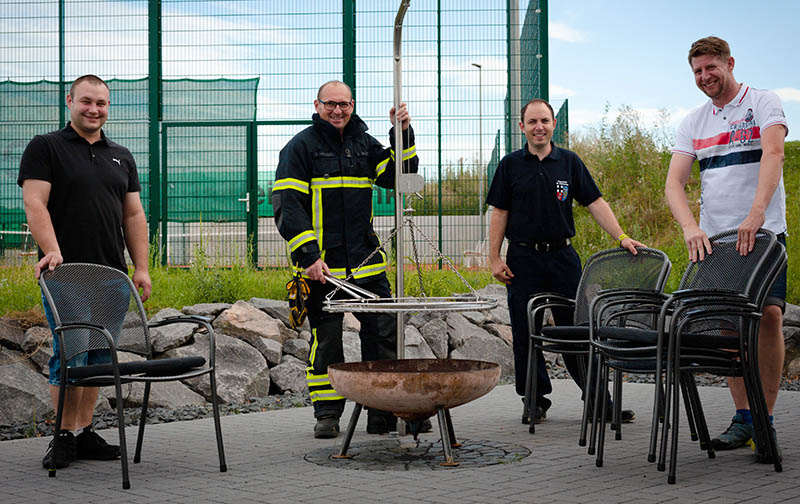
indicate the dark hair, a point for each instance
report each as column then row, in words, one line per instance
column 713, row 46
column 535, row 100
column 319, row 92
column 87, row 78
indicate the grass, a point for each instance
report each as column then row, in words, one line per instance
column 629, row 163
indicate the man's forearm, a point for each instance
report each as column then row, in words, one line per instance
column 135, row 229
column 497, row 231
column 41, row 226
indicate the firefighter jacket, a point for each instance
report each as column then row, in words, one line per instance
column 322, row 197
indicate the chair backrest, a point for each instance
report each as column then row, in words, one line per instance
column 99, row 295
column 725, row 268
column 619, row 269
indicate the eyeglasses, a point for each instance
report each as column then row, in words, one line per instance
column 330, row 106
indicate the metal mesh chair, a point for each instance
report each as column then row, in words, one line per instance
column 97, row 309
column 614, row 268
column 709, row 325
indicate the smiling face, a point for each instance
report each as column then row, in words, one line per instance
column 538, row 125
column 714, row 77
column 88, row 108
column 335, row 92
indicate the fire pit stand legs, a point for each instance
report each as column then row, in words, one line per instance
column 446, row 432
column 448, row 436
column 351, row 428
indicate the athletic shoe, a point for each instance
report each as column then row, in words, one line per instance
column 327, row 427
column 539, row 415
column 64, row 455
column 735, row 436
column 92, row 446
column 762, row 458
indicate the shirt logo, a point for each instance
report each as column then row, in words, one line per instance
column 116, row 161
column 562, row 190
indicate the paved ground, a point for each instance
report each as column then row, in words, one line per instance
column 266, row 451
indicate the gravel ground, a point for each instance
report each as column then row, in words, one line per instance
column 108, row 419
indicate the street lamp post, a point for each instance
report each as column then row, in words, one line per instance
column 480, row 148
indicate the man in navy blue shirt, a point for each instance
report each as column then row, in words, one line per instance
column 532, row 193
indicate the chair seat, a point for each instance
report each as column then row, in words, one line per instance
column 153, row 367
column 567, row 333
column 688, row 340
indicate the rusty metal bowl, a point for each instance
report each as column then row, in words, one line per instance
column 413, row 389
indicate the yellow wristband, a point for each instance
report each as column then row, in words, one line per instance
column 622, row 237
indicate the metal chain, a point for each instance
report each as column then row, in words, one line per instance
column 440, row 255
column 416, row 257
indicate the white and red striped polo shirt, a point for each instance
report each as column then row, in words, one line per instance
column 727, row 144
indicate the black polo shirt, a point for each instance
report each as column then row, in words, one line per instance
column 538, row 194
column 89, row 183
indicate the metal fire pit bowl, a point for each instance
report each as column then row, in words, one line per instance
column 414, row 389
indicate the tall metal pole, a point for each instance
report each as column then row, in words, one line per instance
column 480, row 149
column 399, row 200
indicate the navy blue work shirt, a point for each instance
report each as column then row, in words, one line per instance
column 538, row 194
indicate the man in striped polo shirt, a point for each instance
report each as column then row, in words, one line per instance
column 737, row 138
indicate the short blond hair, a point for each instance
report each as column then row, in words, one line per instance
column 713, row 46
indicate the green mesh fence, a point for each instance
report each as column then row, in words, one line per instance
column 237, row 79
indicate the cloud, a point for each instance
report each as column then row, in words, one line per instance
column 788, row 94
column 565, row 33
column 557, row 91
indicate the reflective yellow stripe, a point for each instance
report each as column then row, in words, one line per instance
column 290, row 183
column 372, row 269
column 316, row 214
column 382, row 166
column 325, row 395
column 301, row 239
column 331, row 182
column 410, row 152
column 313, row 353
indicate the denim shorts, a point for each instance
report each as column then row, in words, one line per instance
column 97, row 356
column 777, row 295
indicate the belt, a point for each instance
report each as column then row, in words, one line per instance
column 545, row 246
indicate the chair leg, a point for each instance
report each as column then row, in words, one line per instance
column 527, row 416
column 588, row 387
column 676, row 399
column 223, row 467
column 123, row 447
column 688, row 404
column 616, row 425
column 533, row 370
column 62, row 391
column 599, row 389
column 137, row 456
column 601, row 421
column 659, row 399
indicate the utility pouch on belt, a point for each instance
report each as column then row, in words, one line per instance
column 298, row 295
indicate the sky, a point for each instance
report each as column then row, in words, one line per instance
column 631, row 52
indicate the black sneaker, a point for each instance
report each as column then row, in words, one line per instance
column 64, row 455
column 419, row 427
column 92, row 446
column 327, row 427
column 539, row 415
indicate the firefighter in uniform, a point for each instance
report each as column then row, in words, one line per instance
column 531, row 195
column 322, row 200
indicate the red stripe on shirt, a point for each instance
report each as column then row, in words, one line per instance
column 721, row 139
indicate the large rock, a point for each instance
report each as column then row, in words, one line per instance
column 415, row 345
column 476, row 317
column 24, row 393
column 206, row 309
column 171, row 335
column 277, row 309
column 11, row 334
column 171, row 394
column 350, row 323
column 351, row 344
column 249, row 324
column 503, row 332
column 435, row 334
column 471, row 342
column 500, row 315
column 38, row 346
column 289, row 375
column 242, row 371
column 792, row 315
column 297, row 348
column 272, row 351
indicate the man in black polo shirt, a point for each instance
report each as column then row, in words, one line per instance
column 532, row 193
column 81, row 195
